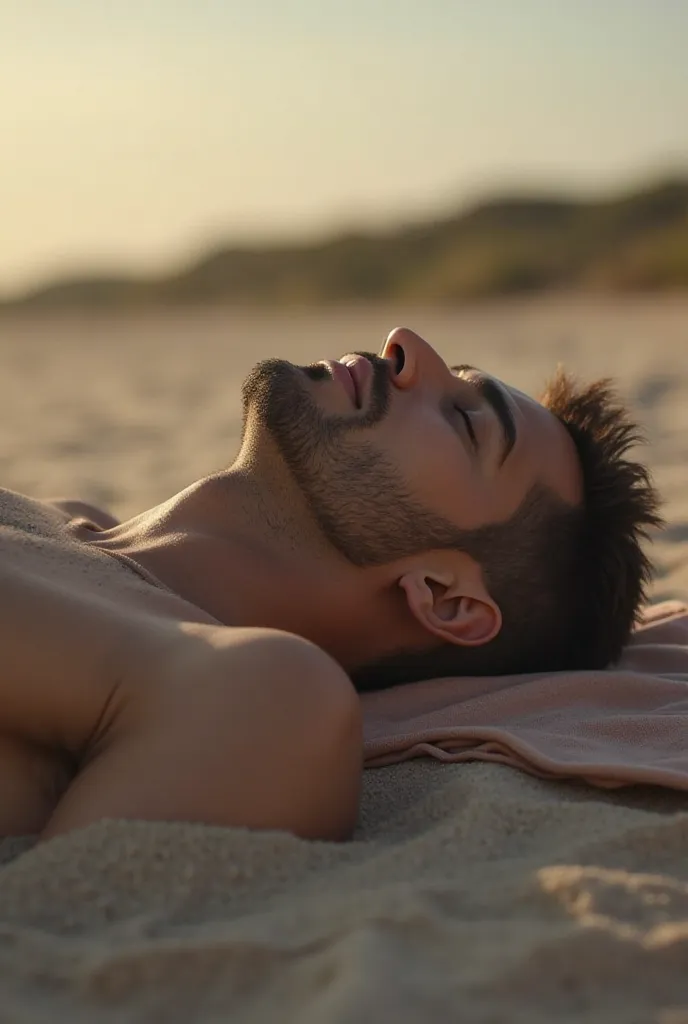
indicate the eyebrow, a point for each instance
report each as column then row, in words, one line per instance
column 493, row 394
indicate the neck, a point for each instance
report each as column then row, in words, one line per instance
column 242, row 550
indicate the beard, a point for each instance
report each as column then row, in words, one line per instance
column 354, row 492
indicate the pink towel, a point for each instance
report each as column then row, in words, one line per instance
column 619, row 727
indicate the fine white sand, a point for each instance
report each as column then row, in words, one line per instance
column 470, row 892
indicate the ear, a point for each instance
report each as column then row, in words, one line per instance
column 457, row 610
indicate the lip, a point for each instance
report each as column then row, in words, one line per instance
column 343, row 376
column 361, row 371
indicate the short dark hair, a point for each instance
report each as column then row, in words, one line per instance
column 569, row 580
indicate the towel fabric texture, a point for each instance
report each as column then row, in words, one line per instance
column 616, row 727
column 469, row 893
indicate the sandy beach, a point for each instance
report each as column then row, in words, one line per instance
column 128, row 410
column 471, row 892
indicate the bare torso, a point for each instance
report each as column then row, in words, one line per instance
column 119, row 699
column 75, row 623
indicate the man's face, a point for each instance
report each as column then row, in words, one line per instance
column 398, row 452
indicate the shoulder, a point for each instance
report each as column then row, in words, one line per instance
column 62, row 648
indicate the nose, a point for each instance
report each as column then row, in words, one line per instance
column 412, row 360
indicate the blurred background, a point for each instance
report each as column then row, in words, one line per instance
column 301, row 151
column 188, row 186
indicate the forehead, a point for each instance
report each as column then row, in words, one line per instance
column 544, row 447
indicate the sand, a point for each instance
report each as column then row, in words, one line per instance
column 470, row 892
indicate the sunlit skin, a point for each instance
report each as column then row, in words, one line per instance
column 429, row 439
column 271, row 580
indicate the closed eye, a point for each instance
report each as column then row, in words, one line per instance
column 469, row 425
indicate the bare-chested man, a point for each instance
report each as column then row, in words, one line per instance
column 387, row 518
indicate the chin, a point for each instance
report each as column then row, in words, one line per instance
column 277, row 404
column 265, row 379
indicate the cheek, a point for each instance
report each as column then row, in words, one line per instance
column 434, row 465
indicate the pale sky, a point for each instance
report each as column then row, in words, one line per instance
column 134, row 133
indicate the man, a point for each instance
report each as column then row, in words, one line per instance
column 387, row 518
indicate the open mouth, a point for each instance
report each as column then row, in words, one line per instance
column 354, row 384
column 354, row 373
column 343, row 376
column 361, row 371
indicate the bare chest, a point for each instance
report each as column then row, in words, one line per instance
column 74, row 622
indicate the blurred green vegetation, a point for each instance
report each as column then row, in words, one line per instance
column 511, row 245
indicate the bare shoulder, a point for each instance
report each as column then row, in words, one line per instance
column 71, row 630
column 78, row 626
column 74, row 622
column 64, row 643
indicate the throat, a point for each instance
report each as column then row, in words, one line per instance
column 242, row 557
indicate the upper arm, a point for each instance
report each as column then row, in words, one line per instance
column 259, row 730
column 73, row 507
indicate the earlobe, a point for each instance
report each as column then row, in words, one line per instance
column 462, row 614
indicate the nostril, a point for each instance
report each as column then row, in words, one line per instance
column 399, row 358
